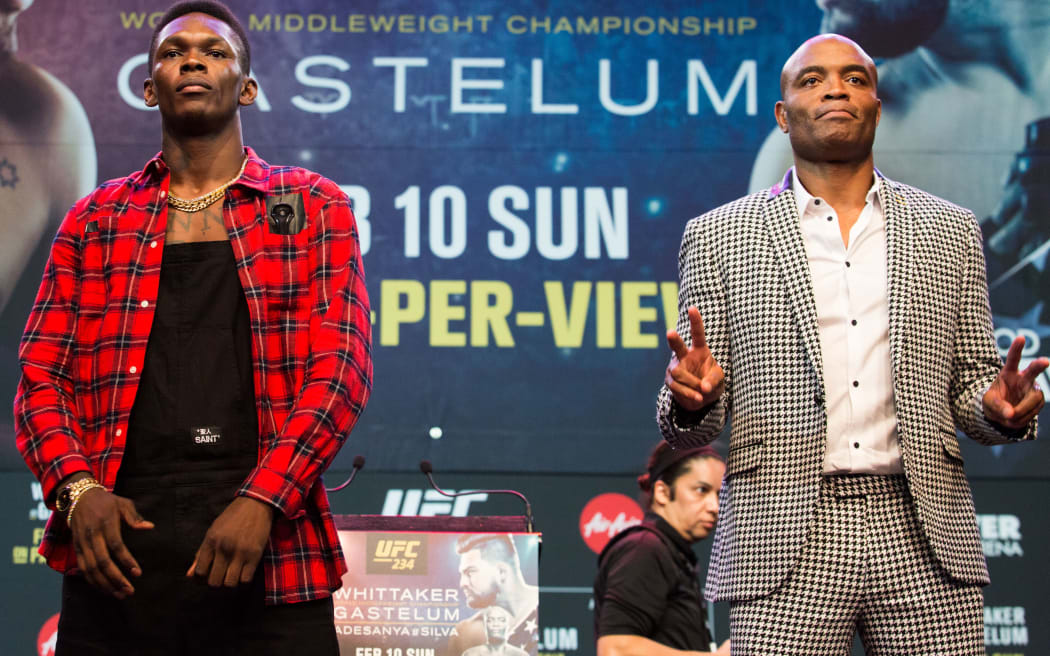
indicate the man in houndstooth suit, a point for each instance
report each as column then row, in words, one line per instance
column 848, row 334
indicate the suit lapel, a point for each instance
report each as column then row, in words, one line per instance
column 899, row 235
column 785, row 231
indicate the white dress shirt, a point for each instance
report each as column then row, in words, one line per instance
column 851, row 290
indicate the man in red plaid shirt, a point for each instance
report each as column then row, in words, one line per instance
column 198, row 352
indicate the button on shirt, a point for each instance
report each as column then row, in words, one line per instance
column 850, row 287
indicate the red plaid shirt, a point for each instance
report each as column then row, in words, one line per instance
column 85, row 343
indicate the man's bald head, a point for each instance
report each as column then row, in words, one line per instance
column 830, row 105
column 794, row 63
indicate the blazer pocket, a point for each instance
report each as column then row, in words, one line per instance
column 951, row 445
column 743, row 456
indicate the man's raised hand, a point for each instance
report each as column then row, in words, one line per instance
column 1015, row 398
column 693, row 376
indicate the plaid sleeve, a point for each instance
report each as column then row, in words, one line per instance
column 337, row 379
column 47, row 429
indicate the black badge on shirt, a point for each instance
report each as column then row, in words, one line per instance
column 285, row 214
column 207, row 436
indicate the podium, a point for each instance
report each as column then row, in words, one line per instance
column 438, row 586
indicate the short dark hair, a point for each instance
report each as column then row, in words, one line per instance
column 493, row 546
column 668, row 464
column 214, row 9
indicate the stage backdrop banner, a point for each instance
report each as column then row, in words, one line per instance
column 521, row 173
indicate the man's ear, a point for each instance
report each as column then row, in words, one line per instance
column 149, row 94
column 249, row 91
column 781, row 115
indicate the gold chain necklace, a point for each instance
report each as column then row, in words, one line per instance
column 200, row 202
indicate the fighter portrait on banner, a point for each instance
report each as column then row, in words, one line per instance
column 47, row 162
column 491, row 578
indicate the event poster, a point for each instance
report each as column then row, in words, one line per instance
column 438, row 594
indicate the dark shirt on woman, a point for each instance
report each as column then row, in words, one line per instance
column 647, row 585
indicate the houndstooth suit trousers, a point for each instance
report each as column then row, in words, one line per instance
column 866, row 567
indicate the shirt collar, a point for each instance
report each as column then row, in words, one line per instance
column 256, row 172
column 664, row 527
column 804, row 200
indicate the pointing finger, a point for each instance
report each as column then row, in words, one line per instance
column 1013, row 356
column 696, row 328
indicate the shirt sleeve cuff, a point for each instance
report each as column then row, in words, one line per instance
column 59, row 471
column 275, row 489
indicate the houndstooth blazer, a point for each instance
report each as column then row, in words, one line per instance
column 744, row 266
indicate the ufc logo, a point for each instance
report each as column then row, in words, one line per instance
column 397, row 549
column 428, row 503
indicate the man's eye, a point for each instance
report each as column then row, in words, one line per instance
column 171, row 53
column 809, row 81
column 216, row 53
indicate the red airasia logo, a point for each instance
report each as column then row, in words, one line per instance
column 45, row 640
column 606, row 515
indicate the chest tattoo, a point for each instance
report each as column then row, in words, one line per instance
column 8, row 173
column 204, row 225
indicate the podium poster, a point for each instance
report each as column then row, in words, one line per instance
column 438, row 594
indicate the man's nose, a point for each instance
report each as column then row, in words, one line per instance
column 835, row 90
column 192, row 63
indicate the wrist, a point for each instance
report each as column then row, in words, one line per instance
column 76, row 491
column 63, row 489
column 261, row 507
column 684, row 416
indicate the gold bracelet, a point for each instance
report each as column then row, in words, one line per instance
column 77, row 490
column 63, row 498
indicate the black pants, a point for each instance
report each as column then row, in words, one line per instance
column 94, row 624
